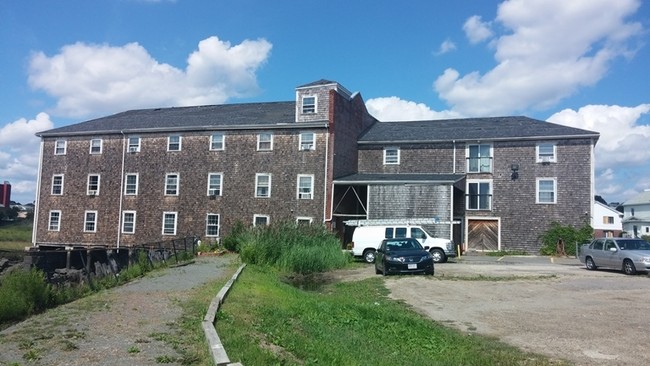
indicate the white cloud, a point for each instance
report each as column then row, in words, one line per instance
column 477, row 30
column 622, row 153
column 551, row 50
column 99, row 79
column 445, row 47
column 19, row 154
column 396, row 109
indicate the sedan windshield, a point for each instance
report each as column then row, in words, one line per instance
column 634, row 245
column 397, row 245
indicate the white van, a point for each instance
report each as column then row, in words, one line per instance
column 366, row 240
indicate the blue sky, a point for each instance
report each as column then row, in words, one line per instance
column 582, row 63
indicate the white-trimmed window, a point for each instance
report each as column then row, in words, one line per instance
column 546, row 190
column 307, row 141
column 93, row 185
column 131, row 184
column 479, row 158
column 96, row 146
column 391, row 156
column 309, row 104
column 546, row 152
column 60, row 147
column 212, row 225
column 265, row 141
column 169, row 223
column 304, row 220
column 134, row 144
column 171, row 184
column 305, row 187
column 90, row 221
column 217, row 141
column 57, row 184
column 174, row 143
column 55, row 221
column 128, row 222
column 479, row 195
column 214, row 184
column 260, row 220
column 263, row 185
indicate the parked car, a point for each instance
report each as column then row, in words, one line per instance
column 366, row 240
column 403, row 255
column 627, row 254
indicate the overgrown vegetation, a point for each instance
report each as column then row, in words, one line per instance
column 289, row 247
column 26, row 292
column 265, row 321
column 20, row 231
column 561, row 240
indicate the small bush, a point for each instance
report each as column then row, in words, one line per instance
column 567, row 235
column 232, row 241
column 23, row 293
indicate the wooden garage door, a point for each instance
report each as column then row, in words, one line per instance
column 483, row 235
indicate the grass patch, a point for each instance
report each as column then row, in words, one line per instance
column 265, row 321
column 18, row 232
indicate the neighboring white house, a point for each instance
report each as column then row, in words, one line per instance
column 607, row 222
column 636, row 215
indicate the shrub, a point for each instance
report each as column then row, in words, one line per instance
column 23, row 293
column 568, row 235
column 290, row 247
column 232, row 241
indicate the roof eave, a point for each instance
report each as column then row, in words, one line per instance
column 531, row 138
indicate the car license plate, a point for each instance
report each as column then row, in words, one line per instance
column 413, row 266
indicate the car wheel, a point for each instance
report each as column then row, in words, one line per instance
column 369, row 256
column 589, row 263
column 628, row 267
column 438, row 256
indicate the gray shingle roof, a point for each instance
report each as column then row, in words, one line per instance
column 398, row 178
column 642, row 198
column 493, row 128
column 209, row 117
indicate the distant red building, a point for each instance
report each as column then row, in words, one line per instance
column 5, row 194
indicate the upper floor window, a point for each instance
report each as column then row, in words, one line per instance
column 169, row 223
column 265, row 141
column 131, row 184
column 217, row 141
column 608, row 219
column 57, row 184
column 546, row 190
column 212, row 225
column 305, row 187
column 309, row 104
column 214, row 184
column 171, row 184
column 60, row 147
column 391, row 156
column 128, row 222
column 55, row 221
column 96, row 146
column 546, row 152
column 90, row 221
column 479, row 158
column 260, row 220
column 174, row 143
column 307, row 141
column 134, row 144
column 263, row 185
column 479, row 195
column 93, row 184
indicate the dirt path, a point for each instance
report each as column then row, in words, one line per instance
column 122, row 326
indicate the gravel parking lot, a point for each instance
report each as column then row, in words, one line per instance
column 553, row 307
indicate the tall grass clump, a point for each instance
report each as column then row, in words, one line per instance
column 287, row 246
column 16, row 232
column 23, row 293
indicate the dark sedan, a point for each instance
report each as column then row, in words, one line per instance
column 403, row 255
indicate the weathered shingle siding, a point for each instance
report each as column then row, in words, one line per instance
column 414, row 158
column 239, row 163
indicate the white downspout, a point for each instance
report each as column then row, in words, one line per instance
column 327, row 145
column 38, row 194
column 119, row 212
